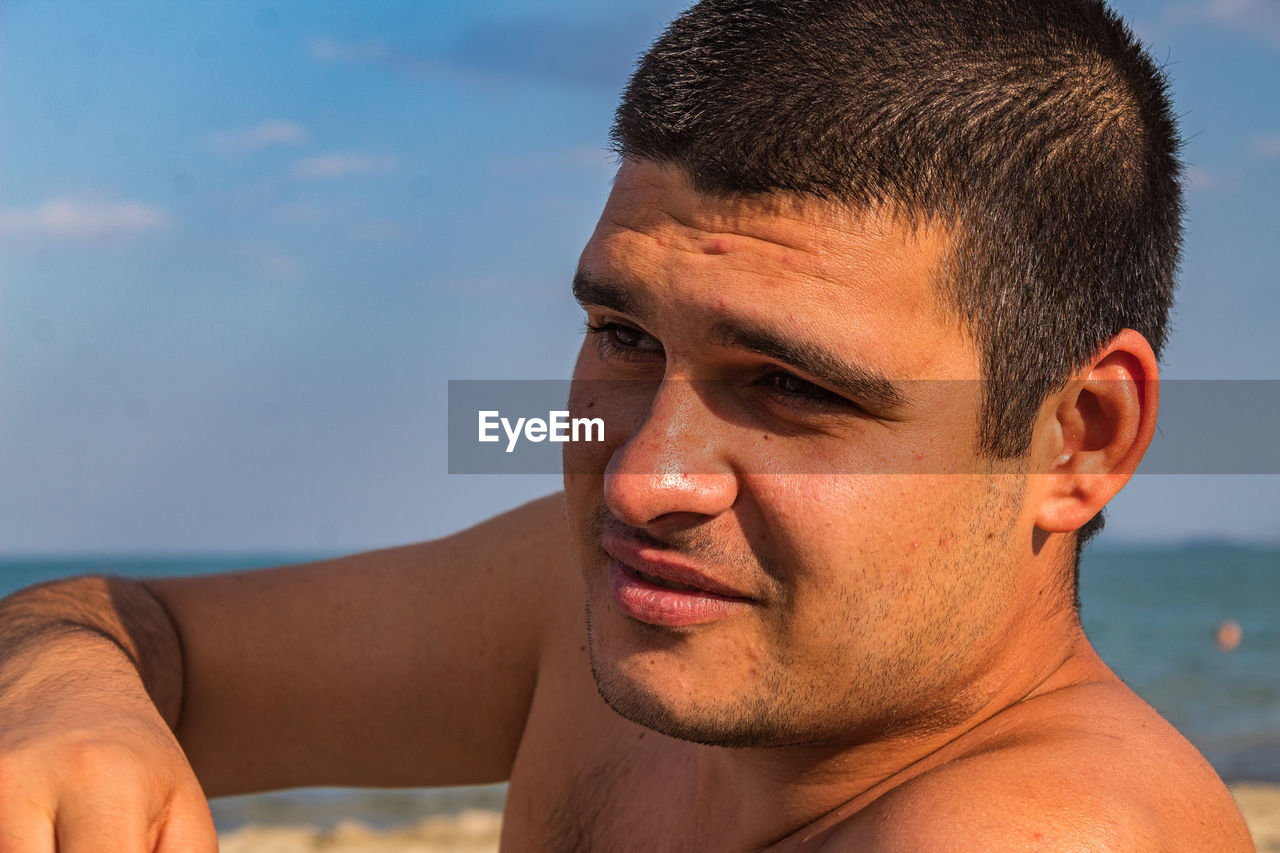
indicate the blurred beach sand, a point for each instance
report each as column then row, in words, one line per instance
column 471, row 831
column 1261, row 807
column 476, row 831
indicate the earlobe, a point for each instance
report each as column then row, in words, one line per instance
column 1095, row 431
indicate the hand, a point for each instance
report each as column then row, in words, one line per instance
column 87, row 764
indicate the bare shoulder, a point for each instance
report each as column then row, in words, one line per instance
column 1092, row 768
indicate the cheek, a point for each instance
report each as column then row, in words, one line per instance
column 848, row 518
column 875, row 536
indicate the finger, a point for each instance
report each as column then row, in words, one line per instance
column 31, row 832
column 97, row 823
column 188, row 829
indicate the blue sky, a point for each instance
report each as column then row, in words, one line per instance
column 243, row 247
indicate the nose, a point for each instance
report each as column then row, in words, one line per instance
column 671, row 466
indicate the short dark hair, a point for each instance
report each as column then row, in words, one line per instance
column 1038, row 131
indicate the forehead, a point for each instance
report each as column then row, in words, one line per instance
column 805, row 267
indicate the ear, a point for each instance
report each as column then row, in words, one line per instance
column 1091, row 436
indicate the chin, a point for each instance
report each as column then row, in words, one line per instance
column 644, row 686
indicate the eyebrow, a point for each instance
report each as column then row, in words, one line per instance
column 859, row 383
column 589, row 290
column 852, row 380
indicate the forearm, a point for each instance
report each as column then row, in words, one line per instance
column 95, row 611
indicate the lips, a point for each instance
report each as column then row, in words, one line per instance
column 653, row 586
column 665, row 569
column 665, row 584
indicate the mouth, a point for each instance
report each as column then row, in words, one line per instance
column 664, row 568
column 663, row 582
column 659, row 587
column 661, row 602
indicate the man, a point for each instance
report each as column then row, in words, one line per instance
column 874, row 309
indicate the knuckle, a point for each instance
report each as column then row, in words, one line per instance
column 8, row 774
column 18, row 768
column 95, row 758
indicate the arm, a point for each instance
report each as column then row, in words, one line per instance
column 413, row 665
column 86, row 755
column 409, row 666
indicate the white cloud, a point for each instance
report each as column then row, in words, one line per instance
column 583, row 158
column 1266, row 146
column 1256, row 18
column 340, row 165
column 1200, row 179
column 71, row 219
column 331, row 50
column 262, row 135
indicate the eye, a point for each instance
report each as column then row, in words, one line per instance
column 792, row 390
column 620, row 341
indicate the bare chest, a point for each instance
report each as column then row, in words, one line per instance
column 639, row 798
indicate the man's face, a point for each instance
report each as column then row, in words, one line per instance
column 746, row 584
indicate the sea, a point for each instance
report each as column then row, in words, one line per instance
column 1153, row 613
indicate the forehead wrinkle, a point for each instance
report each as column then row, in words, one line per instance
column 796, row 237
column 803, row 220
column 610, row 262
column 670, row 230
column 776, row 219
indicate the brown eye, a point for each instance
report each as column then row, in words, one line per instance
column 617, row 340
column 791, row 388
column 626, row 336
